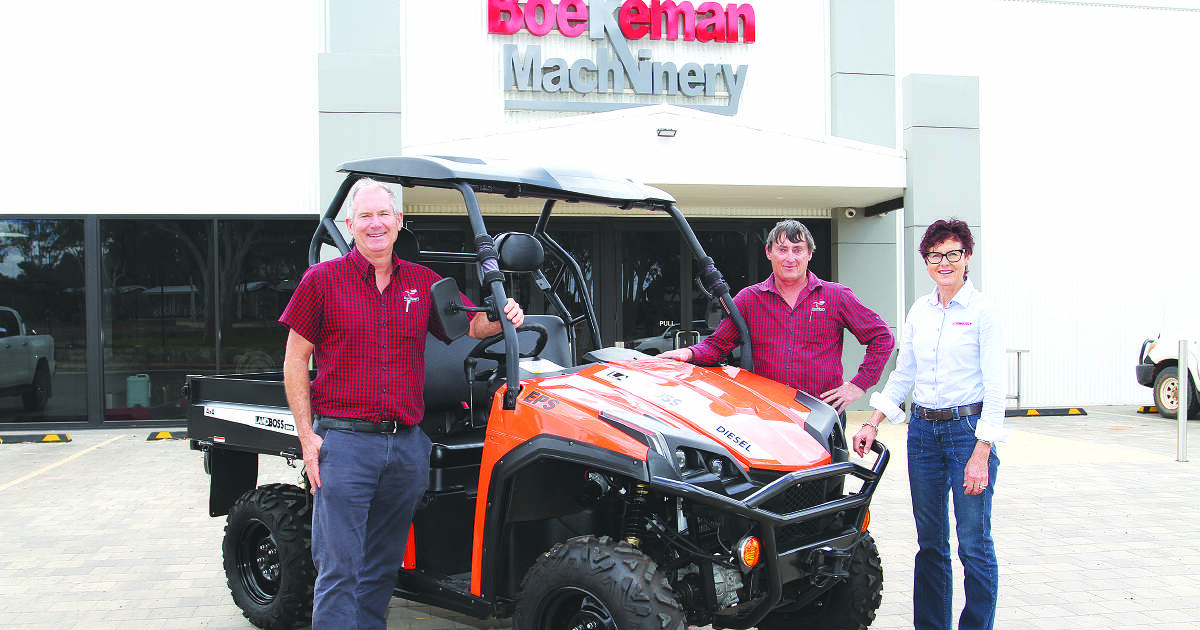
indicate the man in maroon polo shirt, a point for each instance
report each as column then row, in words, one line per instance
column 796, row 322
column 364, row 316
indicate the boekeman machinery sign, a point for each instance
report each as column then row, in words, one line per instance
column 622, row 71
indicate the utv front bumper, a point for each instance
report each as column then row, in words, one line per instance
column 791, row 548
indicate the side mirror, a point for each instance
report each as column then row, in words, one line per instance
column 714, row 315
column 447, row 302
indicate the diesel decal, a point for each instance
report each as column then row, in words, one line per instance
column 733, row 437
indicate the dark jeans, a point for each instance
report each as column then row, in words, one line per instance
column 370, row 486
column 937, row 456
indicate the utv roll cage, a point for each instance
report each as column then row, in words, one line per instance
column 470, row 176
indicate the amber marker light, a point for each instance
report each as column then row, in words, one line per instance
column 866, row 521
column 749, row 552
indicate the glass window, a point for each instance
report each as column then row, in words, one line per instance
column 260, row 264
column 650, row 286
column 157, row 282
column 727, row 248
column 580, row 245
column 41, row 283
column 447, row 237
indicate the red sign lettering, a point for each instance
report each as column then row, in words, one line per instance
column 572, row 18
column 661, row 19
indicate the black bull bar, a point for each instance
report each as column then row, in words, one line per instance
column 751, row 508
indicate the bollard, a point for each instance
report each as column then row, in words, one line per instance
column 1185, row 393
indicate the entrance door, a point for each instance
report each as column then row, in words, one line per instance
column 651, row 292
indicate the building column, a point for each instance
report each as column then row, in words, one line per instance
column 941, row 138
column 862, row 46
column 359, row 86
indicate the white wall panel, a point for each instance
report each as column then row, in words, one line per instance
column 1088, row 144
column 144, row 106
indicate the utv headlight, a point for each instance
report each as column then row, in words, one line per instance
column 691, row 461
column 716, row 466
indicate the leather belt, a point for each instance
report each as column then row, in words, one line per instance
column 948, row 413
column 359, row 426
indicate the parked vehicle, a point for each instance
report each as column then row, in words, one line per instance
column 26, row 361
column 1158, row 369
column 621, row 492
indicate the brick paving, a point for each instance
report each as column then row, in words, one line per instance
column 1096, row 526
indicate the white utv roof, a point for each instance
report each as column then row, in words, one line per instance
column 512, row 178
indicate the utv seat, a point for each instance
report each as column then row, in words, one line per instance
column 457, row 404
column 456, row 401
column 456, row 415
column 451, row 406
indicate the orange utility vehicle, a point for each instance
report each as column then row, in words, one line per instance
column 611, row 490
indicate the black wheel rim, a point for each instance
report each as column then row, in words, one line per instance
column 571, row 608
column 258, row 562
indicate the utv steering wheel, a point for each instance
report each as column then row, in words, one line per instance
column 481, row 351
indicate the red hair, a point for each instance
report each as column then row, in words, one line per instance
column 943, row 229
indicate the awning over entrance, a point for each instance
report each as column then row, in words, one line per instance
column 712, row 164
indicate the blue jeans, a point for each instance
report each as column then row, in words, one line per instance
column 937, row 456
column 370, row 486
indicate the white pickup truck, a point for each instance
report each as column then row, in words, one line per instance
column 1158, row 368
column 26, row 361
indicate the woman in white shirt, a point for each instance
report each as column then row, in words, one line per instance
column 951, row 356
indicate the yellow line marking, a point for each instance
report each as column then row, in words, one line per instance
column 58, row 463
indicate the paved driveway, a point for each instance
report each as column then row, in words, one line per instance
column 1096, row 525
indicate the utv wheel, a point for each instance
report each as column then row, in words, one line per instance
column 268, row 556
column 1166, row 395
column 35, row 399
column 590, row 583
column 850, row 605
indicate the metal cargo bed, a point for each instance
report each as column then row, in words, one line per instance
column 245, row 412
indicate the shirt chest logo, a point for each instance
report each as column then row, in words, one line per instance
column 818, row 306
column 410, row 297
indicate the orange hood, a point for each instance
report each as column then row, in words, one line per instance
column 755, row 419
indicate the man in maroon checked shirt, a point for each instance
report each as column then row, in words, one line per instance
column 364, row 315
column 796, row 322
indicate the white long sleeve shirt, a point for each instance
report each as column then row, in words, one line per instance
column 949, row 357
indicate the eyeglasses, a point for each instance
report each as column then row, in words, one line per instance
column 954, row 255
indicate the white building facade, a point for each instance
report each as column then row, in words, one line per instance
column 153, row 145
